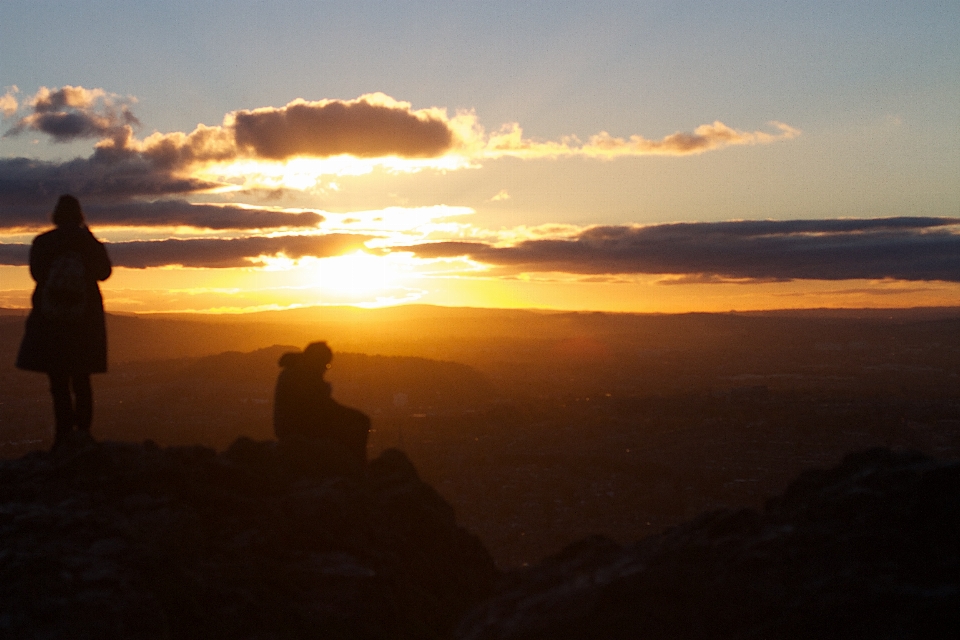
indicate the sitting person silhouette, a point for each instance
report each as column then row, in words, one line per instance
column 304, row 409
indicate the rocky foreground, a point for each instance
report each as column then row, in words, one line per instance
column 868, row 549
column 116, row 540
column 111, row 540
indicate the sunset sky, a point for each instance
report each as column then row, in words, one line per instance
column 615, row 156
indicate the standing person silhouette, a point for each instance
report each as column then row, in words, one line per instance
column 66, row 334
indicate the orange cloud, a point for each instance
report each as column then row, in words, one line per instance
column 706, row 137
column 8, row 102
column 509, row 141
column 371, row 126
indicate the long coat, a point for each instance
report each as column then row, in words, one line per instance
column 79, row 346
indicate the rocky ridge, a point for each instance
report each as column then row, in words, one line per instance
column 268, row 540
column 119, row 540
column 868, row 549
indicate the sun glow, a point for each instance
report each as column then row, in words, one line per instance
column 357, row 275
column 307, row 174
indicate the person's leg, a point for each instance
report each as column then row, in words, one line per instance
column 84, row 400
column 62, row 405
column 352, row 428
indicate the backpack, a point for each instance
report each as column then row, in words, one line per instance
column 64, row 295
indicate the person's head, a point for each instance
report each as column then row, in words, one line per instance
column 317, row 355
column 68, row 213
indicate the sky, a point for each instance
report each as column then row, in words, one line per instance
column 605, row 156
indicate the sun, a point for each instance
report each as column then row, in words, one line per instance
column 355, row 275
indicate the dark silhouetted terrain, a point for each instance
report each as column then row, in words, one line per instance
column 539, row 431
column 126, row 541
column 129, row 541
column 867, row 549
column 543, row 428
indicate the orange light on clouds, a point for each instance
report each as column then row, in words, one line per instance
column 314, row 174
column 400, row 224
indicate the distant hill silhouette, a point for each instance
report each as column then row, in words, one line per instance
column 538, row 352
column 367, row 381
column 212, row 400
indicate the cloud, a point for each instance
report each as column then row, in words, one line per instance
column 69, row 113
column 212, row 253
column 888, row 289
column 230, row 252
column 16, row 255
column 372, row 126
column 8, row 102
column 122, row 166
column 167, row 213
column 175, row 151
column 509, row 141
column 201, row 216
column 710, row 278
column 899, row 248
column 27, row 182
column 706, row 137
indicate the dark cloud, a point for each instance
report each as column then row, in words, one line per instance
column 165, row 213
column 27, row 183
column 16, row 255
column 235, row 252
column 201, row 216
column 211, row 253
column 69, row 113
column 901, row 248
column 362, row 128
column 370, row 126
column 123, row 167
column 116, row 170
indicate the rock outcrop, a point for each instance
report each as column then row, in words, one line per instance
column 272, row 540
column 869, row 549
column 265, row 540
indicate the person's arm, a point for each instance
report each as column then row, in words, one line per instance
column 34, row 263
column 39, row 257
column 100, row 261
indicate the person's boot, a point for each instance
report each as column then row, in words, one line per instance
column 60, row 437
column 82, row 436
